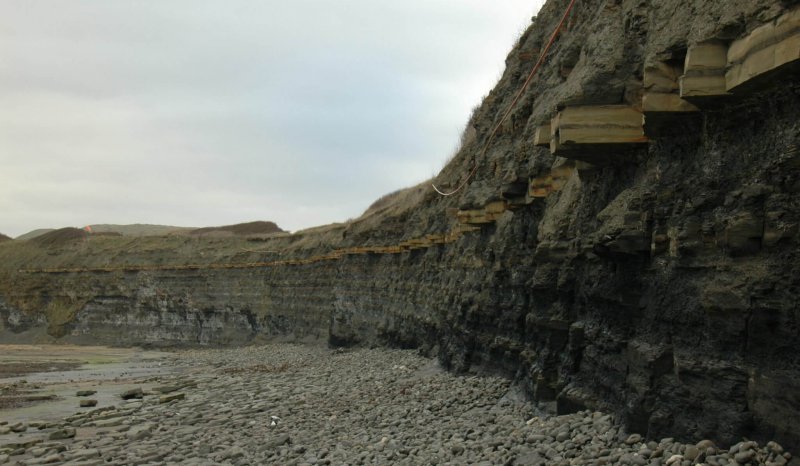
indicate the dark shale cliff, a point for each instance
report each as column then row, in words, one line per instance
column 662, row 284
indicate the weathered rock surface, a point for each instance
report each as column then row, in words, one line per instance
column 662, row 284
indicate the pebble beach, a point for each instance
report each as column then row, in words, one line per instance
column 288, row 404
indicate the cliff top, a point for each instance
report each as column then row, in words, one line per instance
column 136, row 229
column 386, row 222
column 250, row 228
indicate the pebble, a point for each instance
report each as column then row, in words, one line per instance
column 64, row 433
column 704, row 445
column 674, row 459
column 18, row 427
column 140, row 432
column 134, row 393
column 536, row 438
column 691, row 452
column 744, row 457
column 633, row 439
column 172, row 397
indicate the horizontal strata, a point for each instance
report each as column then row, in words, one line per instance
column 660, row 282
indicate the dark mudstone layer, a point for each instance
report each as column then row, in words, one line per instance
column 662, row 286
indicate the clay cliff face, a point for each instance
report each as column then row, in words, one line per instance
column 660, row 280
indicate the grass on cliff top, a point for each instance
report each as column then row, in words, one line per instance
column 63, row 251
column 105, row 251
column 242, row 243
column 251, row 228
column 397, row 201
column 136, row 229
column 60, row 237
column 140, row 229
column 392, row 206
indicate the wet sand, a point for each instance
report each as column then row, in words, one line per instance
column 41, row 381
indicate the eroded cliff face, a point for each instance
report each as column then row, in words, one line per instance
column 661, row 284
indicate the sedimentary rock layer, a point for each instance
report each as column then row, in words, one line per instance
column 661, row 284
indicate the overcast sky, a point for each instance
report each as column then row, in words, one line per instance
column 197, row 113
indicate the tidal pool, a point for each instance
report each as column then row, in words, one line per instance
column 40, row 382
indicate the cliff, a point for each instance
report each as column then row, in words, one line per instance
column 649, row 270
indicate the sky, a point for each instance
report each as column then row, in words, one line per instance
column 200, row 113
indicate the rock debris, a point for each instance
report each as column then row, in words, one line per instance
column 289, row 404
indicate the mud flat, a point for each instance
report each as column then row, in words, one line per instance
column 41, row 381
column 309, row 405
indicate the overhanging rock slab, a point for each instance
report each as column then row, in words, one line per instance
column 703, row 79
column 765, row 56
column 594, row 132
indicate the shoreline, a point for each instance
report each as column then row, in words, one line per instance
column 309, row 405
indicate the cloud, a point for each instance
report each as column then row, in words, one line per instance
column 204, row 113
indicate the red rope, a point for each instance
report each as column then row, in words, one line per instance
column 516, row 99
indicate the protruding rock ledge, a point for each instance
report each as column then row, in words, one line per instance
column 488, row 214
column 542, row 135
column 766, row 55
column 703, row 79
column 594, row 132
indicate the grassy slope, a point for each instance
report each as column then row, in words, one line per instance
column 140, row 229
column 104, row 251
column 34, row 233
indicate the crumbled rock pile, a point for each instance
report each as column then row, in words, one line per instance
column 301, row 405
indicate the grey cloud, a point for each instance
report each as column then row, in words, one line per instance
column 203, row 112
